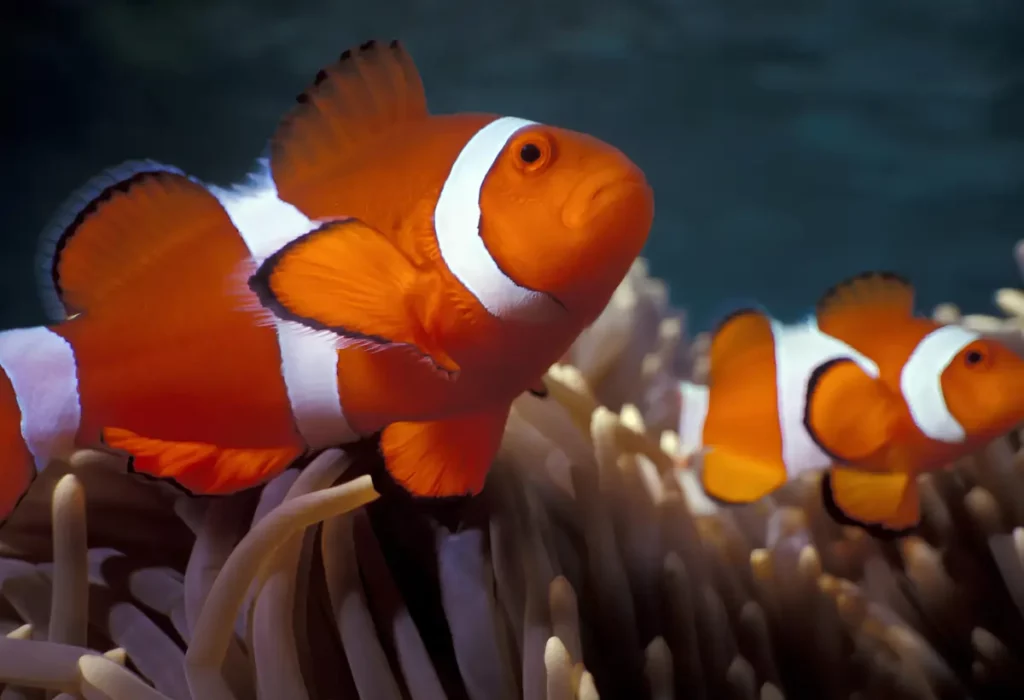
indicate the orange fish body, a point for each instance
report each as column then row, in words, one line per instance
column 394, row 271
column 865, row 390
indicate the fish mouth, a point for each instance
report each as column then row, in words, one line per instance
column 602, row 190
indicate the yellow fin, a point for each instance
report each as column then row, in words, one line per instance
column 348, row 278
column 201, row 468
column 886, row 504
column 445, row 457
column 370, row 90
column 733, row 478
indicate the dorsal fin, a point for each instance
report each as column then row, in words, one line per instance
column 98, row 244
column 367, row 92
column 882, row 295
column 736, row 336
column 68, row 218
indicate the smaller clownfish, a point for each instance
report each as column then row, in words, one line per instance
column 865, row 390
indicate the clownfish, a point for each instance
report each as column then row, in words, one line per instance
column 392, row 273
column 864, row 390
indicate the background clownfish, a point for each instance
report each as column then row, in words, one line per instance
column 396, row 270
column 865, row 390
column 948, row 392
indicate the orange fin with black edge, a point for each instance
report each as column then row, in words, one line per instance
column 850, row 414
column 116, row 228
column 886, row 504
column 200, row 468
column 18, row 467
column 741, row 336
column 733, row 478
column 348, row 278
column 873, row 297
column 444, row 458
column 368, row 92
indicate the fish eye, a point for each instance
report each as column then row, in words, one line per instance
column 529, row 153
column 532, row 152
column 974, row 357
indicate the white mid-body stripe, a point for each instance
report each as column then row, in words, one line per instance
column 42, row 369
column 801, row 349
column 921, row 382
column 693, row 412
column 309, row 358
column 457, row 224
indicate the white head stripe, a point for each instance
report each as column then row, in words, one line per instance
column 309, row 359
column 42, row 369
column 457, row 224
column 921, row 382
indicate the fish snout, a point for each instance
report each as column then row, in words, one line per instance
column 619, row 191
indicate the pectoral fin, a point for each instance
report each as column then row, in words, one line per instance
column 446, row 457
column 348, row 278
column 886, row 504
column 201, row 468
column 734, row 478
column 850, row 414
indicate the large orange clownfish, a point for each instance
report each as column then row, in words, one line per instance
column 394, row 271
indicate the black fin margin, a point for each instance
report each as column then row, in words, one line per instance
column 879, row 532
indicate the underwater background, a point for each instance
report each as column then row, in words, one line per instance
column 789, row 143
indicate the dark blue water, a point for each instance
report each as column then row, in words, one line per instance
column 789, row 143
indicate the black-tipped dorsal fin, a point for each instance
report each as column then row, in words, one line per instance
column 367, row 92
column 114, row 229
column 878, row 295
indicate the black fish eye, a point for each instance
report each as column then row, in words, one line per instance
column 973, row 357
column 529, row 153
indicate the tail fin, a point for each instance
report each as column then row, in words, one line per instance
column 83, row 257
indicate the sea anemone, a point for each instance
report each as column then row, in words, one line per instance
column 589, row 566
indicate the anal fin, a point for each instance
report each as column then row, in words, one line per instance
column 734, row 478
column 886, row 504
column 201, row 468
column 444, row 458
